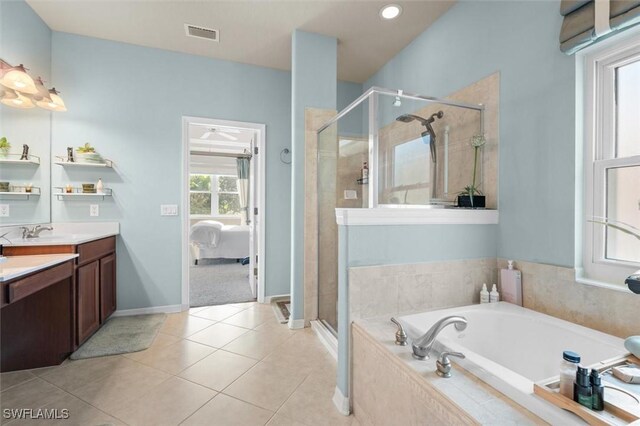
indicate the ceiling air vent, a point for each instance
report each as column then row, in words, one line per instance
column 201, row 32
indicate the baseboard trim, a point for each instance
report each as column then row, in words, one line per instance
column 296, row 324
column 326, row 337
column 276, row 298
column 341, row 402
column 167, row 309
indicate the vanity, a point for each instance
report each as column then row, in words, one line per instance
column 56, row 306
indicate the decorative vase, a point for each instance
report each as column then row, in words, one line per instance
column 465, row 201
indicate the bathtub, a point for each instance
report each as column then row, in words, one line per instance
column 510, row 348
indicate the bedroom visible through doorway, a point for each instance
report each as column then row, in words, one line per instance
column 222, row 191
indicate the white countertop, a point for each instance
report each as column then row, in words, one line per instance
column 17, row 266
column 67, row 234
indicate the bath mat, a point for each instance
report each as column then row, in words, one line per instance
column 121, row 335
column 281, row 307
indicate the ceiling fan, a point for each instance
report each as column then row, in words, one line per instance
column 226, row 133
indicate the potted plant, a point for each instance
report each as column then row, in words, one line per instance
column 87, row 154
column 472, row 196
column 5, row 147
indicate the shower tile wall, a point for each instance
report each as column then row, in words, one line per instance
column 463, row 124
column 409, row 288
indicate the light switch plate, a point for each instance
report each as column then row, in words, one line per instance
column 94, row 210
column 4, row 210
column 169, row 210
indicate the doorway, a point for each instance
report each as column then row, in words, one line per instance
column 223, row 203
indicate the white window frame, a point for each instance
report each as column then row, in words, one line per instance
column 215, row 196
column 599, row 156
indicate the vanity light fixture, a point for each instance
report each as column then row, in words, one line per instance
column 390, row 11
column 15, row 99
column 16, row 78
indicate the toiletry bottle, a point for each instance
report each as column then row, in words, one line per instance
column 484, row 294
column 597, row 391
column 365, row 171
column 582, row 387
column 494, row 296
column 568, row 368
column 100, row 186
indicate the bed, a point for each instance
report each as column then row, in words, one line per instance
column 210, row 239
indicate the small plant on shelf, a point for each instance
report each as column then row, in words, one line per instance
column 86, row 149
column 472, row 196
column 87, row 154
column 5, row 146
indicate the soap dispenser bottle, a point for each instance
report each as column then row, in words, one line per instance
column 484, row 294
column 494, row 296
column 582, row 393
column 100, row 186
column 597, row 391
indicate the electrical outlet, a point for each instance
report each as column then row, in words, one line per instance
column 169, row 210
column 4, row 210
column 94, row 210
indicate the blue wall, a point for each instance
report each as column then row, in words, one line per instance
column 26, row 39
column 128, row 101
column 537, row 111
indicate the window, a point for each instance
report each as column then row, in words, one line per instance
column 612, row 163
column 214, row 195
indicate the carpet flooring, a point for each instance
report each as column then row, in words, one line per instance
column 219, row 281
column 121, row 335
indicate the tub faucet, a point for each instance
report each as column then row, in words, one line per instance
column 422, row 345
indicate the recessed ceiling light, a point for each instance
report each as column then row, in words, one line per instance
column 390, row 11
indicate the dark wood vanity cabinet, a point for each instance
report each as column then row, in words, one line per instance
column 95, row 282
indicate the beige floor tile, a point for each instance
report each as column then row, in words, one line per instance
column 14, row 378
column 183, row 324
column 218, row 335
column 303, row 352
column 312, row 403
column 228, row 411
column 280, row 420
column 256, row 344
column 74, row 374
column 34, row 393
column 177, row 357
column 169, row 403
column 276, row 327
column 266, row 386
column 196, row 310
column 80, row 414
column 245, row 305
column 252, row 317
column 218, row 313
column 160, row 341
column 114, row 390
column 218, row 370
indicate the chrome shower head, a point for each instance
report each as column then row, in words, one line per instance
column 406, row 118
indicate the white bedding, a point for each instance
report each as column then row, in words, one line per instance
column 213, row 240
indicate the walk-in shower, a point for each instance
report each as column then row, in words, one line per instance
column 417, row 154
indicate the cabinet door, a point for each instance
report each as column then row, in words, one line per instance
column 107, row 286
column 88, row 296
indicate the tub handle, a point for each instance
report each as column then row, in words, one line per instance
column 401, row 336
column 444, row 364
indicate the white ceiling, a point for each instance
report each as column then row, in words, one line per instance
column 220, row 139
column 255, row 32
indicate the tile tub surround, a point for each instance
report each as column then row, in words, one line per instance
column 268, row 375
column 407, row 389
column 408, row 288
column 553, row 290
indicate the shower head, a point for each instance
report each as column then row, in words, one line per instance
column 408, row 118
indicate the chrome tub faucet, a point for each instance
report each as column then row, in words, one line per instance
column 422, row 345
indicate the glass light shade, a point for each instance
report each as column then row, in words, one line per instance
column 57, row 100
column 16, row 78
column 16, row 99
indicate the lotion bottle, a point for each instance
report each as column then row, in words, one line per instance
column 100, row 186
column 494, row 296
column 484, row 294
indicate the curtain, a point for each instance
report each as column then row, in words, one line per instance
column 579, row 28
column 243, row 187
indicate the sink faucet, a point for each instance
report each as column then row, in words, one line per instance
column 35, row 231
column 422, row 345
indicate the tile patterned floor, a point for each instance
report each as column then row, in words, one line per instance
column 219, row 365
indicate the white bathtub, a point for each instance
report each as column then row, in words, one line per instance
column 510, row 348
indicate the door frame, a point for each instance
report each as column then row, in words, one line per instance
column 258, row 166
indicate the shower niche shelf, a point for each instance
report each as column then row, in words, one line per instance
column 62, row 161
column 76, row 193
column 20, row 193
column 32, row 160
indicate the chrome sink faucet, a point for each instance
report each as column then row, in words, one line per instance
column 422, row 345
column 35, row 231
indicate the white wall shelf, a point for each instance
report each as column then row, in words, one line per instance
column 20, row 193
column 32, row 160
column 62, row 161
column 62, row 194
